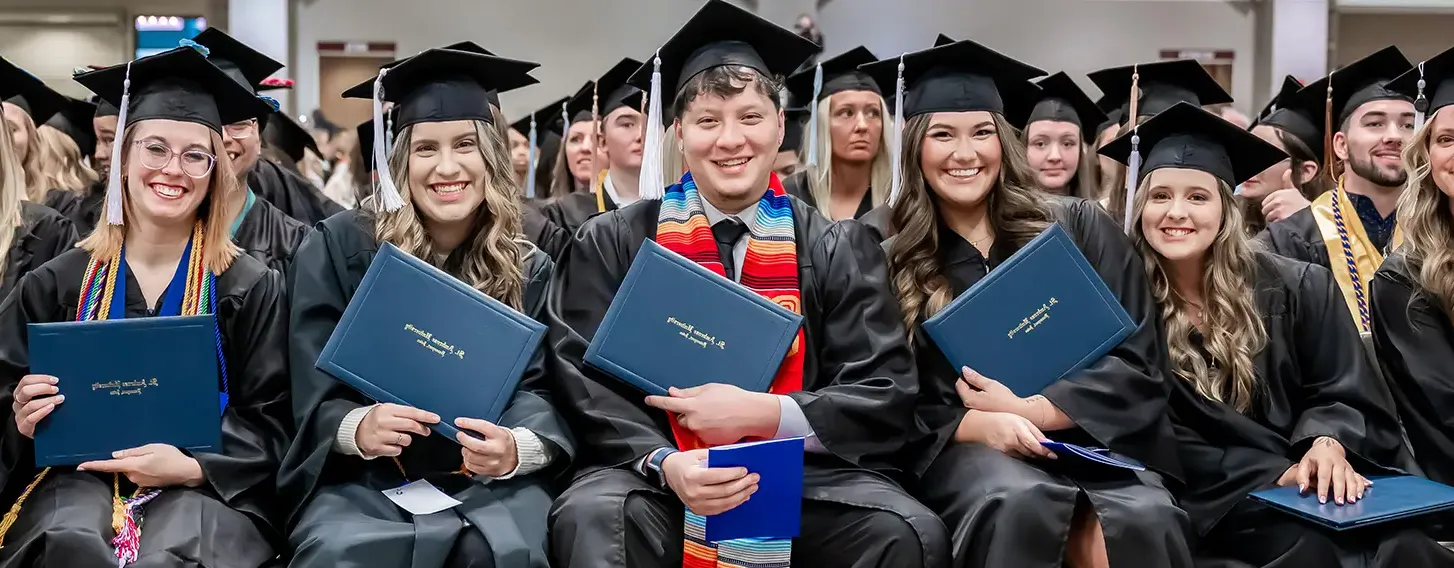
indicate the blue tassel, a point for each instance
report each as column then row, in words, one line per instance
column 272, row 102
column 202, row 49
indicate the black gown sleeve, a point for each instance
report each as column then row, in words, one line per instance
column 861, row 401
column 532, row 407
column 67, row 203
column 1339, row 393
column 293, row 194
column 1414, row 339
column 1219, row 472
column 257, row 425
column 1121, row 400
column 32, row 301
column 613, row 426
column 1296, row 237
column 547, row 236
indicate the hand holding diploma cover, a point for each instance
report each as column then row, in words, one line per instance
column 672, row 314
column 156, row 376
column 1388, row 499
column 1040, row 316
column 415, row 336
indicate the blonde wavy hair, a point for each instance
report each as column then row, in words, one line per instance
column 217, row 212
column 61, row 164
column 12, row 193
column 1017, row 210
column 820, row 178
column 495, row 251
column 1428, row 224
column 1234, row 329
column 32, row 162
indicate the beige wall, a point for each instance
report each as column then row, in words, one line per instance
column 1419, row 36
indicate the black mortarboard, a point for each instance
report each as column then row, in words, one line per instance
column 365, row 133
column 178, row 84
column 537, row 137
column 1430, row 84
column 1292, row 114
column 961, row 76
column 245, row 64
column 493, row 95
column 794, row 119
column 445, row 84
column 1061, row 100
column 943, row 40
column 284, row 133
column 1283, row 99
column 104, row 108
column 612, row 89
column 722, row 34
column 839, row 74
column 543, row 117
column 1356, row 84
column 1162, row 84
column 20, row 88
column 577, row 109
column 1186, row 136
column 74, row 120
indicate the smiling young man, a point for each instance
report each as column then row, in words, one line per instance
column 847, row 387
column 1358, row 215
column 618, row 141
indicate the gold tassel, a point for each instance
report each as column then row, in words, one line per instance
column 118, row 509
column 1329, row 156
column 14, row 512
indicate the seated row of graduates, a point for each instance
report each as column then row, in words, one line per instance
column 1245, row 370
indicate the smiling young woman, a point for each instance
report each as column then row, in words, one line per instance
column 458, row 207
column 1271, row 385
column 1412, row 304
column 167, row 203
column 969, row 201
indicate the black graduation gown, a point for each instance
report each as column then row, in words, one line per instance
column 340, row 517
column 880, row 221
column 796, row 185
column 1297, row 237
column 291, row 193
column 546, row 235
column 994, row 503
column 859, row 386
column 88, row 215
column 42, row 235
column 65, row 202
column 1315, row 381
column 1414, row 340
column 227, row 522
column 269, row 235
column 571, row 211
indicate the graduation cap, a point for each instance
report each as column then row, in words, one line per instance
column 794, row 120
column 827, row 78
column 575, row 108
column 1186, row 136
column 178, row 84
column 1061, row 100
column 284, row 133
column 1161, row 85
column 1333, row 99
column 365, row 133
column 493, row 95
column 1291, row 114
column 20, row 88
column 438, row 85
column 943, row 40
column 243, row 63
column 956, row 77
column 104, row 108
column 1430, row 84
column 74, row 120
column 1284, row 98
column 612, row 89
column 719, row 35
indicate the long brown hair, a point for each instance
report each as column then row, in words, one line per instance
column 60, row 161
column 1427, row 222
column 492, row 256
column 217, row 211
column 32, row 162
column 1234, row 330
column 12, row 192
column 1016, row 210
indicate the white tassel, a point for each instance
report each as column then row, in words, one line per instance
column 1133, row 175
column 898, row 151
column 114, row 190
column 1420, row 103
column 530, row 172
column 386, row 192
column 813, row 118
column 653, row 183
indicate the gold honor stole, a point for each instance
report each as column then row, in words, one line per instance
column 1351, row 255
column 600, row 188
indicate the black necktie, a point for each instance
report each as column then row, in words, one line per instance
column 727, row 232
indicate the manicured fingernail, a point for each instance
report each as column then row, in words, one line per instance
column 54, row 380
column 60, row 398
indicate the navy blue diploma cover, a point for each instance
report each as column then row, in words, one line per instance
column 1042, row 315
column 674, row 323
column 1389, row 499
column 415, row 336
column 140, row 381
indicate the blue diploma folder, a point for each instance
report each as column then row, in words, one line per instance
column 1095, row 456
column 775, row 511
column 674, row 323
column 139, row 381
column 415, row 336
column 1389, row 499
column 1042, row 315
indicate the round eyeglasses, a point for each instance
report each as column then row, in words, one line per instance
column 194, row 163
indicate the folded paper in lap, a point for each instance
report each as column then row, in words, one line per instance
column 415, row 336
column 1040, row 316
column 674, row 323
column 139, row 381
